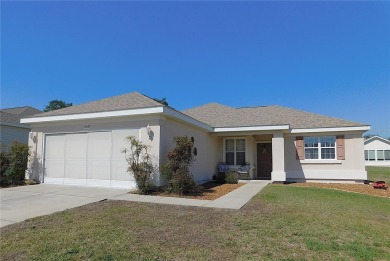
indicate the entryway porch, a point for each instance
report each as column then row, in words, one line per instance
column 253, row 155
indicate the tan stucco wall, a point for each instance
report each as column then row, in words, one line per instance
column 352, row 168
column 206, row 161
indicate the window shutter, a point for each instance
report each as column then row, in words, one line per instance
column 299, row 148
column 340, row 147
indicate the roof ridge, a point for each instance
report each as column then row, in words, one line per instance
column 207, row 104
column 16, row 107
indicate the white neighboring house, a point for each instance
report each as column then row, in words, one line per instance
column 81, row 145
column 10, row 127
column 377, row 151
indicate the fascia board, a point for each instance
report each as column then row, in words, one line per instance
column 94, row 115
column 252, row 128
column 334, row 129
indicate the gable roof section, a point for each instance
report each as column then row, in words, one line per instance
column 9, row 118
column 12, row 116
column 133, row 100
column 376, row 138
column 220, row 116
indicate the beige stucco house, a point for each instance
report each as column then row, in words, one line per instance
column 81, row 145
column 377, row 151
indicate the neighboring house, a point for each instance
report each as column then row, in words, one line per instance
column 82, row 144
column 10, row 127
column 377, row 151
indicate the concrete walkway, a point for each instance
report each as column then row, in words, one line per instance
column 233, row 200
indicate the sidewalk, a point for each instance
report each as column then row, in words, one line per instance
column 233, row 200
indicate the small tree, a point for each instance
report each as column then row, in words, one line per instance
column 55, row 105
column 16, row 160
column 177, row 170
column 140, row 164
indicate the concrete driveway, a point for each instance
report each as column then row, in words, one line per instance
column 20, row 203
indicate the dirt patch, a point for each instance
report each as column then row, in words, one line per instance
column 357, row 188
column 210, row 191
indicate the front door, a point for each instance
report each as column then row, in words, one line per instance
column 264, row 160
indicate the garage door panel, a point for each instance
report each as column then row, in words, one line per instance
column 76, row 169
column 55, row 147
column 99, row 169
column 54, row 168
column 76, row 146
column 119, row 171
column 99, row 145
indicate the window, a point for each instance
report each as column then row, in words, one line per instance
column 381, row 155
column 235, row 151
column 320, row 147
column 387, row 154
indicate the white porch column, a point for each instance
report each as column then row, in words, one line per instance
column 278, row 171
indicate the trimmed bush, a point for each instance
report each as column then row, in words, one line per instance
column 231, row 178
column 14, row 164
column 177, row 170
column 140, row 165
column 220, row 179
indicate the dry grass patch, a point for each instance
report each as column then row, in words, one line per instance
column 357, row 188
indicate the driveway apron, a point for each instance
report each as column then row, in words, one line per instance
column 24, row 202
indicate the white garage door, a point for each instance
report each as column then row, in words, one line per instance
column 91, row 159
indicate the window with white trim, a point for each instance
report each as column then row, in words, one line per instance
column 377, row 155
column 320, row 147
column 235, row 151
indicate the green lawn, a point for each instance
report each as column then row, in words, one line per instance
column 378, row 173
column 281, row 222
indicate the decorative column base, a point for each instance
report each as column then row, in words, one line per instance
column 278, row 176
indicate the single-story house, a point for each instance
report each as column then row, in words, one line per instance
column 10, row 127
column 377, row 151
column 82, row 144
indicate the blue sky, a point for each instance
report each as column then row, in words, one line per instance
column 331, row 58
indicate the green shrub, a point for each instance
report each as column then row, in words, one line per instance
column 4, row 163
column 220, row 179
column 14, row 164
column 177, row 170
column 140, row 165
column 231, row 178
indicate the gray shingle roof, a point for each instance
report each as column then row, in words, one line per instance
column 13, row 115
column 214, row 114
column 133, row 100
column 217, row 115
column 9, row 118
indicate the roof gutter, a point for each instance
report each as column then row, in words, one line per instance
column 334, row 129
column 251, row 128
column 94, row 115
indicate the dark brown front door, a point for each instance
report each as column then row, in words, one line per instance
column 264, row 160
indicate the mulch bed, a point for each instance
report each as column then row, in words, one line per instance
column 210, row 191
column 357, row 188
